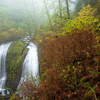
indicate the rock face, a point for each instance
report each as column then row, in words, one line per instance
column 15, row 58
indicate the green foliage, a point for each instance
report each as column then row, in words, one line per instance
column 85, row 21
column 5, row 21
column 15, row 97
column 91, row 2
column 13, row 25
column 80, row 2
column 8, row 29
column 11, row 35
column 15, row 58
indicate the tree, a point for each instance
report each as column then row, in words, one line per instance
column 32, row 21
column 35, row 17
column 59, row 1
column 84, row 21
column 47, row 12
column 67, row 5
column 5, row 20
column 83, row 3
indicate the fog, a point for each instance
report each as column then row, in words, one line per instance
column 32, row 12
column 37, row 5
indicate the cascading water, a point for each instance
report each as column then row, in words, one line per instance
column 30, row 64
column 3, row 53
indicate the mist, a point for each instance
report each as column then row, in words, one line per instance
column 31, row 6
column 30, row 14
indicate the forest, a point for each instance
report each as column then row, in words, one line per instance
column 58, row 42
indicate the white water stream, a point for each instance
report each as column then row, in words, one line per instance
column 30, row 64
column 3, row 54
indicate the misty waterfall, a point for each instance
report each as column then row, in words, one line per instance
column 3, row 54
column 30, row 64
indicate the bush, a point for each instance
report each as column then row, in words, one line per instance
column 67, row 50
column 71, row 83
column 11, row 35
column 86, row 21
column 69, row 63
column 70, row 68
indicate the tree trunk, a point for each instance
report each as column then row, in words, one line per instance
column 35, row 24
column 83, row 3
column 47, row 12
column 59, row 1
column 67, row 5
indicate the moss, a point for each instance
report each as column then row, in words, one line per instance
column 15, row 58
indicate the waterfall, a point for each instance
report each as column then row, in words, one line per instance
column 30, row 64
column 3, row 53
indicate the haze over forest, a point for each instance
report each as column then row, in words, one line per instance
column 31, row 10
column 49, row 49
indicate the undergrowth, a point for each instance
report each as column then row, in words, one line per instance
column 69, row 62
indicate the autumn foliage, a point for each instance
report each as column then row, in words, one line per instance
column 65, row 50
column 85, row 21
column 11, row 35
column 69, row 68
column 70, row 62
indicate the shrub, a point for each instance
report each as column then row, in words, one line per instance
column 85, row 21
column 11, row 35
column 69, row 70
column 80, row 83
column 67, row 50
column 28, row 89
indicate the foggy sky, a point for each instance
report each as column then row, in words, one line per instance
column 28, row 4
column 32, row 7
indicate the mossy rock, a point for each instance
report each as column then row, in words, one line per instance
column 15, row 58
